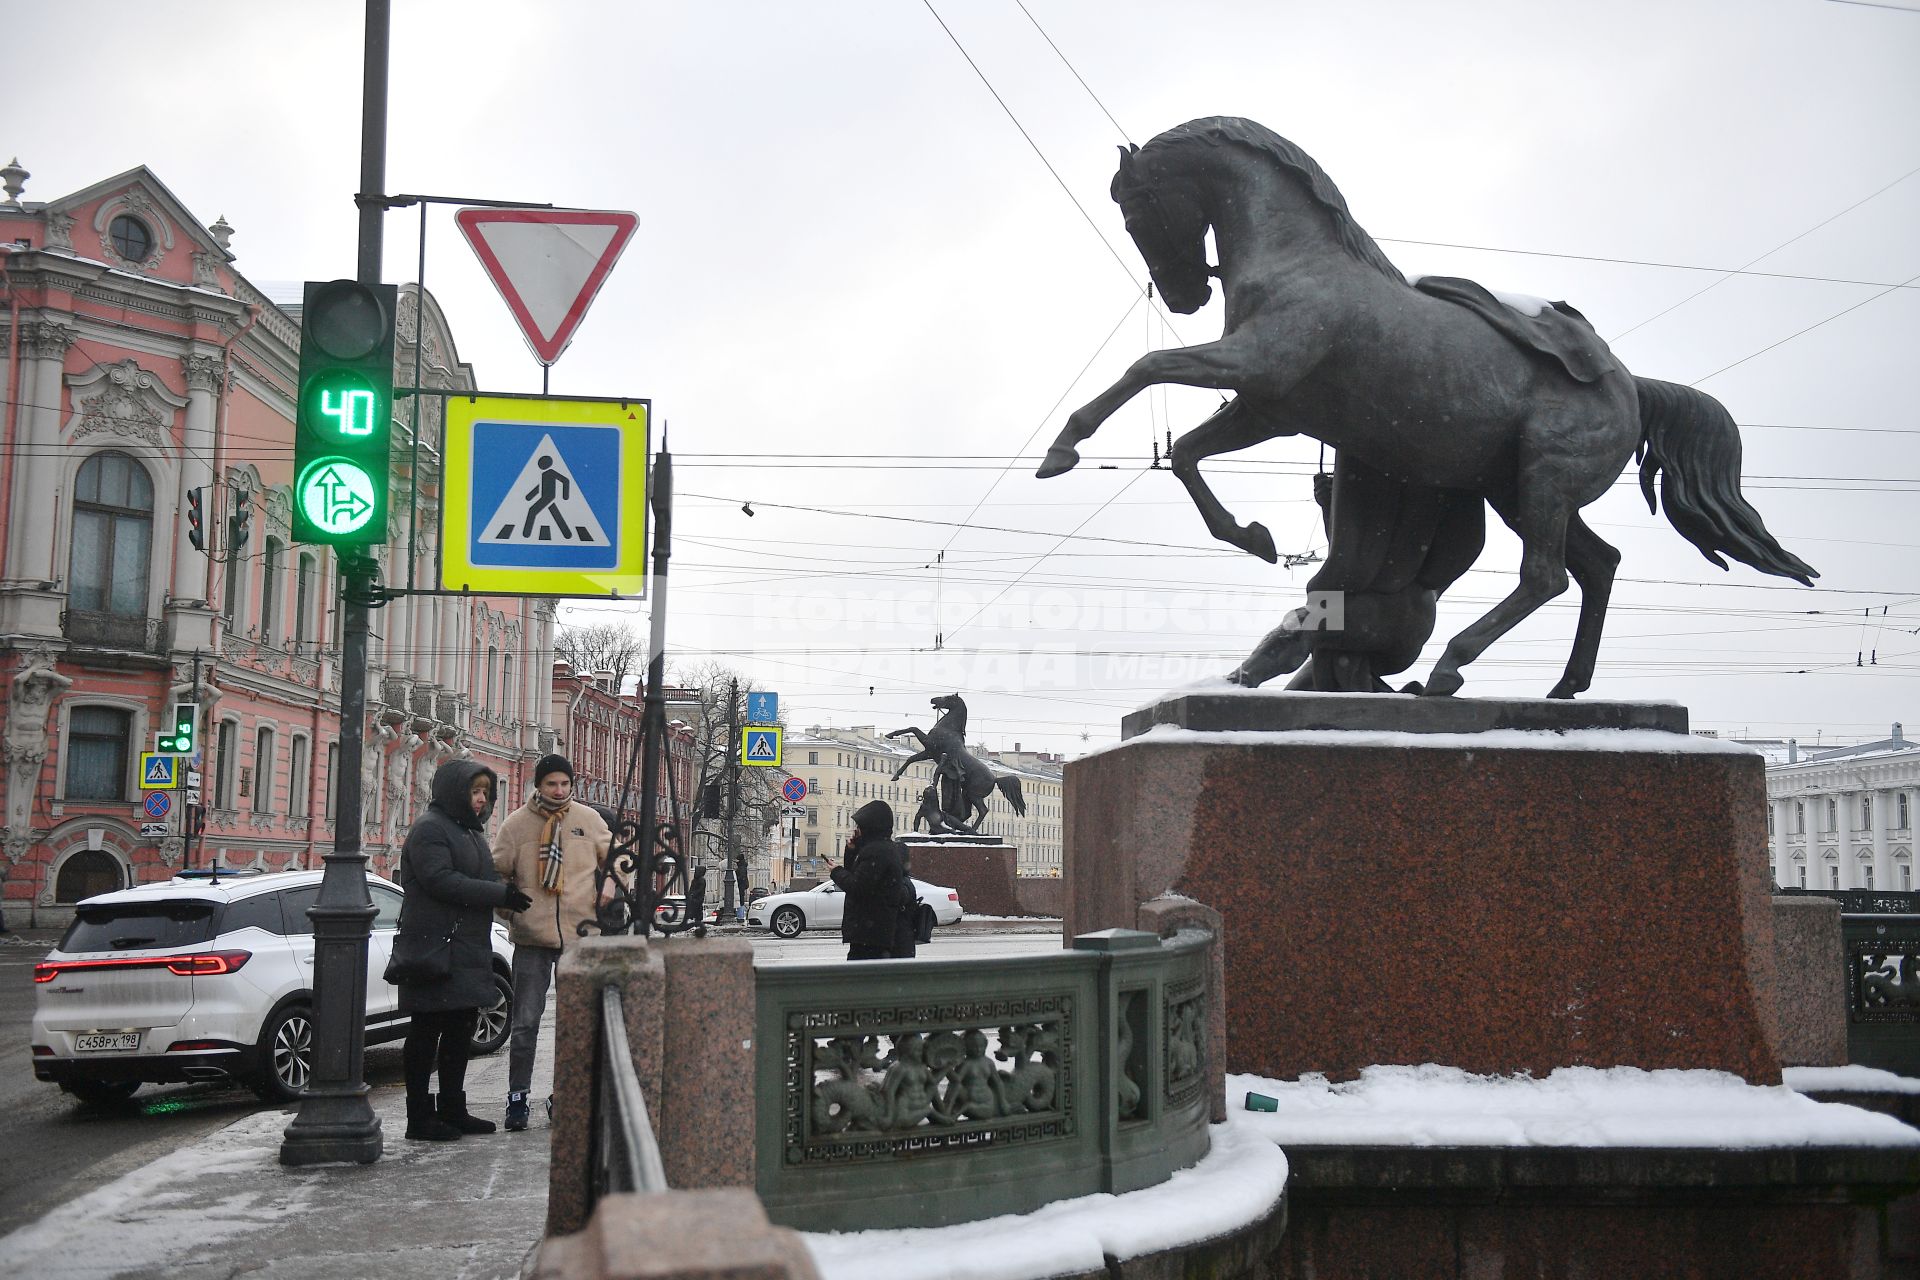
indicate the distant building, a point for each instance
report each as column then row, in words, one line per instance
column 142, row 371
column 845, row 768
column 1843, row 817
column 600, row 735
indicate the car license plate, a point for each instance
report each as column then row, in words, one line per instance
column 106, row 1041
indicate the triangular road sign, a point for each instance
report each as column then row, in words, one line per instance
column 548, row 264
column 544, row 506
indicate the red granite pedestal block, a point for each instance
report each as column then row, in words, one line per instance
column 1500, row 908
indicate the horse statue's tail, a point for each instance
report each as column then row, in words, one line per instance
column 1009, row 786
column 1690, row 441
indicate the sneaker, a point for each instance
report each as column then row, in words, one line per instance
column 516, row 1112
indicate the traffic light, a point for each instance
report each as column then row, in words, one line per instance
column 180, row 741
column 237, row 520
column 343, row 423
column 196, row 520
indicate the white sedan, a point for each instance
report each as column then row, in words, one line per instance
column 820, row 907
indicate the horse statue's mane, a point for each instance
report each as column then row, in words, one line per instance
column 1223, row 130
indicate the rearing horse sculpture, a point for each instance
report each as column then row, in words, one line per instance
column 1438, row 386
column 946, row 745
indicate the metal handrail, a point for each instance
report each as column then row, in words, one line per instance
column 623, row 1122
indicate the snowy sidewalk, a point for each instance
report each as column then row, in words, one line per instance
column 225, row 1206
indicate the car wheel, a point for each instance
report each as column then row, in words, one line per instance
column 101, row 1093
column 491, row 1027
column 787, row 922
column 286, row 1055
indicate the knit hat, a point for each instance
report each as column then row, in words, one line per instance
column 875, row 818
column 551, row 764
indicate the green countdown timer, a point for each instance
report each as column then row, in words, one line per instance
column 337, row 495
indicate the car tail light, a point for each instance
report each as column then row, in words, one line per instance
column 209, row 964
column 206, row 964
column 43, row 1051
column 188, row 1046
column 953, row 897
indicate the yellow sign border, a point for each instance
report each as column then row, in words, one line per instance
column 627, row 579
column 173, row 780
column 779, row 746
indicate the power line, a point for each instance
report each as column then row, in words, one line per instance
column 1076, row 75
column 1809, row 329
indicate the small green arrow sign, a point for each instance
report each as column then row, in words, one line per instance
column 337, row 495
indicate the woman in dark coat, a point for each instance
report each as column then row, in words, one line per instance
column 876, row 924
column 452, row 890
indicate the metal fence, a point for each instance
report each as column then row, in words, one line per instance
column 1863, row 901
column 920, row 1093
column 624, row 1155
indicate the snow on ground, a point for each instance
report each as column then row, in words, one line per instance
column 1237, row 1183
column 1847, row 1080
column 1649, row 740
column 1432, row 1106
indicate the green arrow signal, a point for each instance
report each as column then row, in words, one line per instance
column 337, row 495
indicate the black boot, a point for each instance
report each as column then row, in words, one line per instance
column 423, row 1125
column 452, row 1109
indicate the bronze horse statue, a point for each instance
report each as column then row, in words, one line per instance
column 946, row 745
column 1435, row 385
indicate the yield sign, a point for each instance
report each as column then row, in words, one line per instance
column 548, row 264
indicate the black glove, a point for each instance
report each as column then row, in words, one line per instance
column 516, row 900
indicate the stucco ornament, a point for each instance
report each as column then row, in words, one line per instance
column 125, row 400
column 36, row 682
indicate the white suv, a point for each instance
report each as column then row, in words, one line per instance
column 203, row 978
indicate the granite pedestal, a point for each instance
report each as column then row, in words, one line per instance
column 1446, row 890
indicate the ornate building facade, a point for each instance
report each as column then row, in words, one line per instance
column 142, row 371
column 1843, row 818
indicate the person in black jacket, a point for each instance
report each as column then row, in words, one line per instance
column 877, row 924
column 452, row 891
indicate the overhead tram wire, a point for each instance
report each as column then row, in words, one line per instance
column 1763, row 257
column 1809, row 329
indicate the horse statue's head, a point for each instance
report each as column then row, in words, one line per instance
column 948, row 703
column 1168, row 225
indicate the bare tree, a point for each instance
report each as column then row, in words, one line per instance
column 703, row 693
column 603, row 646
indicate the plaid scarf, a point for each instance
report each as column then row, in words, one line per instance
column 551, row 876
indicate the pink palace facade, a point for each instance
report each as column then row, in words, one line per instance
column 140, row 366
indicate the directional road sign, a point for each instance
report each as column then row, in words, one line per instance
column 763, row 708
column 156, row 804
column 794, row 790
column 159, row 771
column 545, row 495
column 760, row 744
column 547, row 264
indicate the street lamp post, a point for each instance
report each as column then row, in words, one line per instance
column 336, row 1123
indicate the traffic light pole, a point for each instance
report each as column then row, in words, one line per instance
column 336, row 1123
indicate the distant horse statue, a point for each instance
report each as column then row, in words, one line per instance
column 1438, row 386
column 946, row 745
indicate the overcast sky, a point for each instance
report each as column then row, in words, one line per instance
column 858, row 286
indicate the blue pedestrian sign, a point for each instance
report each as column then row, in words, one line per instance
column 159, row 771
column 545, row 496
column 760, row 745
column 763, row 708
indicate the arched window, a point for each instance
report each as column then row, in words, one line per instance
column 263, row 771
column 224, row 751
column 270, row 589
column 112, row 536
column 98, row 749
column 299, row 777
column 86, row 873
column 509, row 702
column 492, row 653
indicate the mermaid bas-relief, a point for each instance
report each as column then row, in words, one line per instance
column 1437, row 396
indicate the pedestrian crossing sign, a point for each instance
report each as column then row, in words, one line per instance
column 545, row 495
column 760, row 744
column 159, row 771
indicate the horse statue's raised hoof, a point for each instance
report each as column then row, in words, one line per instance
column 1256, row 539
column 1060, row 459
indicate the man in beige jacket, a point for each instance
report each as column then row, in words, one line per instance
column 549, row 848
